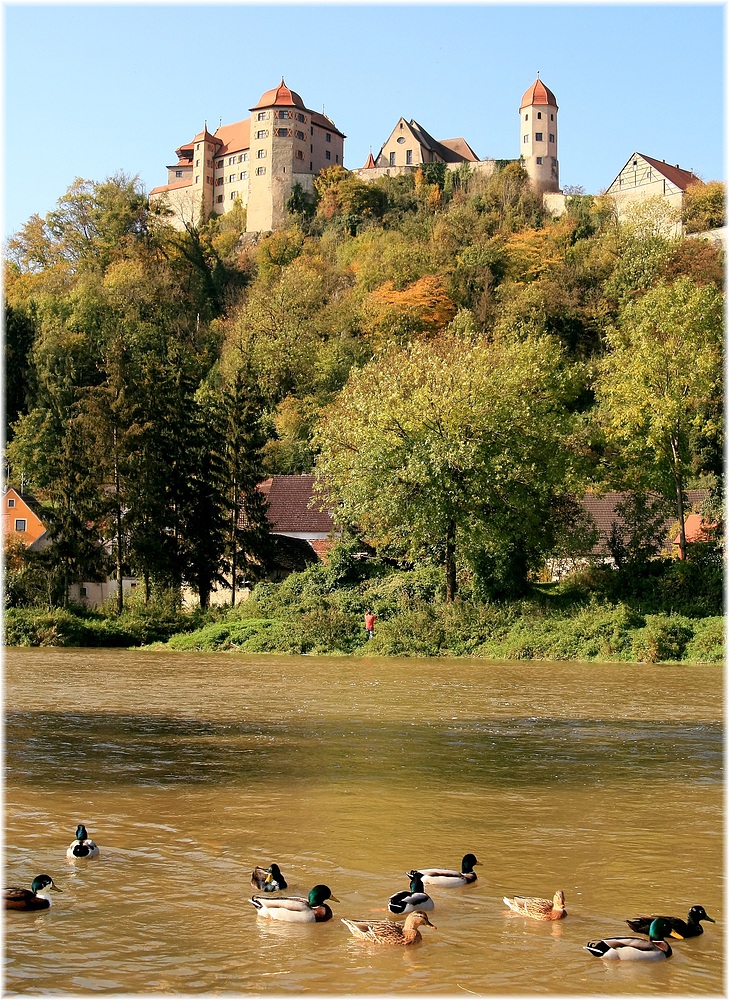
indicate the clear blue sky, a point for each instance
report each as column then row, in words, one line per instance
column 94, row 89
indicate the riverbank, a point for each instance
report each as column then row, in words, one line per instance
column 315, row 613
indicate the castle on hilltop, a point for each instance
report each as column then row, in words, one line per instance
column 257, row 161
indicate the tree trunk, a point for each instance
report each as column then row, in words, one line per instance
column 678, row 479
column 450, row 562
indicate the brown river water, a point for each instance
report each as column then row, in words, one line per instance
column 604, row 780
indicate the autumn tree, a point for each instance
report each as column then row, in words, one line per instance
column 455, row 445
column 657, row 383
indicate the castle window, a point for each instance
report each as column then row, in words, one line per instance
column 21, row 524
column 283, row 114
column 219, row 199
column 219, row 181
column 83, row 592
column 178, row 173
column 260, row 170
column 220, row 163
column 299, row 154
column 233, row 195
column 261, row 116
column 539, row 136
column 526, row 138
column 232, row 179
column 231, row 160
column 540, row 160
column 262, row 133
column 551, row 117
column 526, row 117
column 328, row 136
column 539, row 114
column 328, row 155
column 551, row 136
column 300, row 117
column 408, row 156
column 244, row 175
column 401, row 139
column 261, row 153
column 197, row 178
column 197, row 163
column 392, row 159
column 300, row 135
column 245, row 157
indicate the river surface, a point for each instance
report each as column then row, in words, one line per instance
column 189, row 769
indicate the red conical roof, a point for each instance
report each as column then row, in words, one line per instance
column 370, row 162
column 538, row 94
column 280, row 95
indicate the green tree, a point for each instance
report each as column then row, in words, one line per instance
column 657, row 383
column 452, row 444
column 704, row 207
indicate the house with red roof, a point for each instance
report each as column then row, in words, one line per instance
column 254, row 162
column 645, row 177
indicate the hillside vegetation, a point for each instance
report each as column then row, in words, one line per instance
column 457, row 368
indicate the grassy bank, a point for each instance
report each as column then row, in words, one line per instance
column 321, row 612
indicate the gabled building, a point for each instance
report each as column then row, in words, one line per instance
column 23, row 519
column 409, row 145
column 255, row 162
column 645, row 177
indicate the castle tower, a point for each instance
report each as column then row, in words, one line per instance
column 538, row 140
column 289, row 144
column 204, row 148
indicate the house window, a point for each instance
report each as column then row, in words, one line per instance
column 219, row 199
column 328, row 155
column 231, row 160
column 551, row 136
column 299, row 154
column 244, row 175
column 408, row 156
column 392, row 159
column 539, row 136
column 220, row 163
column 262, row 133
column 11, row 502
column 526, row 138
column 261, row 116
column 233, row 195
column 328, row 136
column 21, row 524
column 83, row 591
column 260, row 170
column 539, row 159
column 539, row 114
column 261, row 153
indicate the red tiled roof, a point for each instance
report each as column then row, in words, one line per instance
column 288, row 505
column 537, row 94
column 235, row 137
column 370, row 162
column 461, row 147
column 175, row 186
column 602, row 511
column 676, row 175
column 280, row 95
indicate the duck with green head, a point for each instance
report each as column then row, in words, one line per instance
column 268, row 879
column 449, row 877
column 691, row 927
column 82, row 846
column 416, row 898
column 297, row 909
column 633, row 949
column 35, row 898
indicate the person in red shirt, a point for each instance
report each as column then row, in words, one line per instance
column 370, row 620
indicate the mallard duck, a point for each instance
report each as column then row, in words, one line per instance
column 82, row 847
column 415, row 899
column 389, row 931
column 679, row 928
column 632, row 949
column 35, row 898
column 296, row 909
column 268, row 879
column 538, row 909
column 449, row 876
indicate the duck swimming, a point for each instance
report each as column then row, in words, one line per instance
column 679, row 928
column 82, row 847
column 632, row 949
column 389, row 931
column 538, row 909
column 447, row 877
column 414, row 899
column 35, row 898
column 296, row 909
column 268, row 879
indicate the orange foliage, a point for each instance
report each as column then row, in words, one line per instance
column 424, row 301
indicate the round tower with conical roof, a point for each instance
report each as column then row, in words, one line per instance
column 538, row 125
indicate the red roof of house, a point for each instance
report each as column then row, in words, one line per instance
column 676, row 175
column 602, row 511
column 280, row 95
column 537, row 94
column 292, row 505
column 172, row 187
